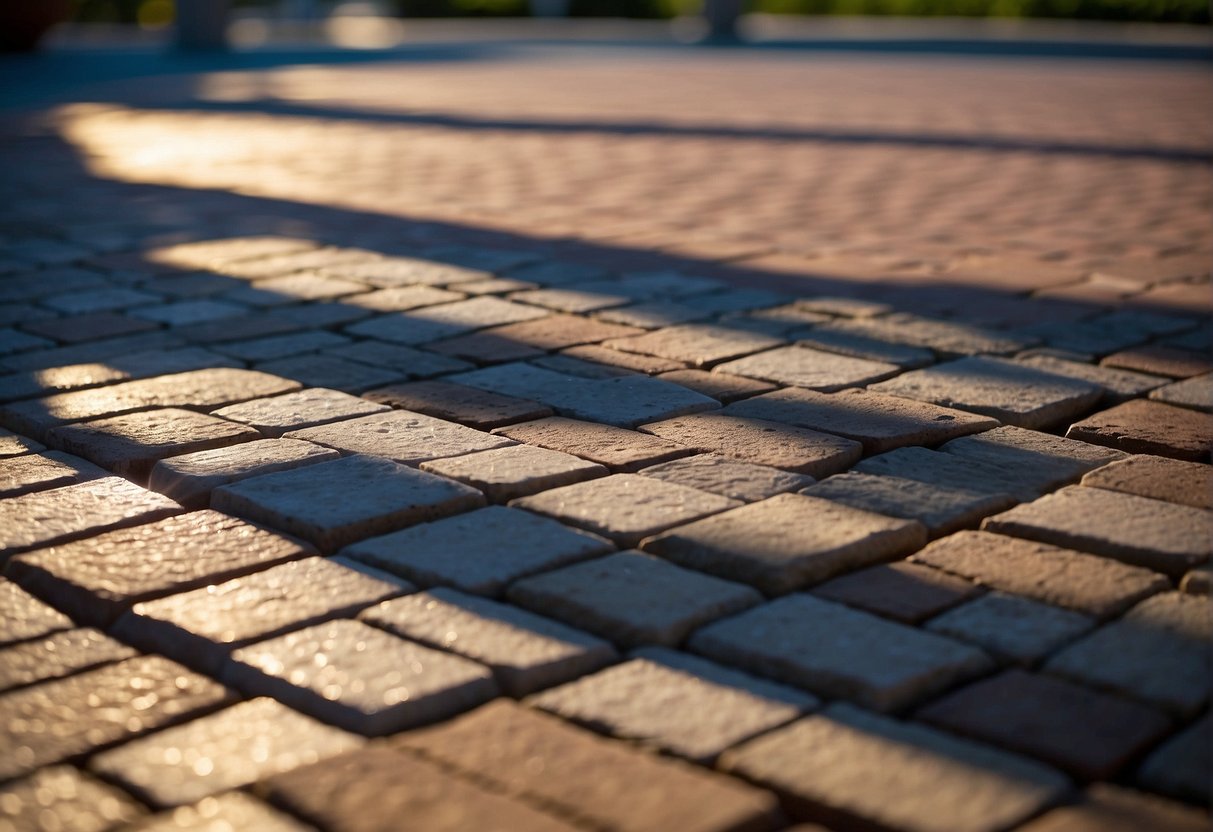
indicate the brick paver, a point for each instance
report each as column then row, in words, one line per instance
column 907, row 592
column 504, row 474
column 63, row 797
column 1182, row 766
column 60, row 654
column 400, row 435
column 1113, row 809
column 728, row 477
column 275, row 416
column 234, row 809
column 38, row 472
column 27, row 617
column 1147, row 427
column 475, row 408
column 1011, row 627
column 616, row 448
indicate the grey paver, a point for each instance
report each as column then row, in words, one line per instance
column 1137, row 530
column 839, row 652
column 96, row 579
column 240, row 744
column 907, row 592
column 728, row 477
column 787, row 542
column 231, row 810
column 354, row 676
column 632, row 599
column 185, row 312
column 89, row 327
column 56, row 655
column 332, row 371
column 405, row 361
column 480, row 551
column 27, row 617
column 515, row 471
column 1012, row 627
column 1118, row 385
column 433, row 322
column 190, row 478
column 807, row 367
column 526, row 652
column 530, row 338
column 378, row 496
column 401, row 435
column 848, row 766
column 457, row 403
column 204, row 625
column 723, row 387
column 1162, row 360
column 403, row 298
column 38, row 472
column 616, row 448
column 947, row 338
column 594, row 361
column 699, row 345
column 856, row 345
column 98, row 300
column 625, row 507
column 1041, row 459
column 1196, row 393
column 1146, row 427
column 306, row 408
column 105, row 350
column 1183, row 765
column 1108, row 808
column 64, row 798
column 1187, row 483
column 281, row 346
column 1023, row 482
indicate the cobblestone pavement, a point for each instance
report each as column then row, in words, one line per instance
column 613, row 437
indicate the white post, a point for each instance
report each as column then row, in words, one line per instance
column 202, row 25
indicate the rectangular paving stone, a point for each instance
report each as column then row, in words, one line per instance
column 1186, row 483
column 617, row 448
column 1050, row 460
column 879, row 422
column 1089, row 734
column 907, row 592
column 419, row 326
column 106, row 350
column 946, row 338
column 839, row 652
column 98, row 300
column 56, row 655
column 504, row 474
column 231, row 810
column 96, row 579
column 42, row 383
column 632, row 599
column 183, row 312
column 475, row 408
column 378, row 496
column 87, row 327
column 1007, row 391
column 38, row 472
column 856, row 345
column 405, row 361
column 224, row 750
column 603, row 784
column 698, row 345
column 400, row 435
column 845, row 766
column 305, row 408
column 204, row 625
column 1161, row 360
column 675, row 702
column 373, row 789
column 1012, row 628
column 728, row 477
column 349, row 674
column 787, row 542
column 1137, row 530
column 63, row 719
column 27, row 617
column 13, row 445
column 405, row 271
column 73, row 511
column 204, row 254
column 130, row 445
column 481, row 551
column 281, row 346
column 242, row 328
column 1118, row 385
column 190, row 478
column 1195, row 393
column 403, row 298
column 807, row 367
column 529, row 338
column 1158, row 652
column 1023, row 482
column 723, row 387
column 1108, row 808
column 63, row 797
column 1183, row 765
column 1146, row 427
column 799, row 450
column 625, row 507
column 525, row 652
column 607, row 363
column 331, row 371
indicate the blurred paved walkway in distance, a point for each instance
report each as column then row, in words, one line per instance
column 562, row 427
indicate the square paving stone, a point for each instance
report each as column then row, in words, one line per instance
column 787, row 542
column 349, row 674
column 375, row 789
column 331, row 371
column 47, row 517
column 1196, row 393
column 479, row 409
column 1158, row 652
column 698, row 345
column 1163, row 361
column 1107, row 808
column 1007, row 391
column 617, row 448
column 57, row 655
column 190, row 478
column 807, row 367
column 625, row 507
column 1090, row 734
column 1012, row 628
column 723, row 387
column 839, row 652
column 525, row 651
column 1050, row 461
column 130, row 445
column 852, row 768
column 378, row 496
column 1183, row 765
column 98, row 578
column 64, row 798
column 39, row 472
column 230, row 810
column 907, row 592
column 1118, row 385
column 225, row 750
column 879, row 422
column 204, row 625
column 603, row 784
column 306, row 408
column 401, row 435
column 66, row 718
column 1145, row 427
column 480, row 551
column 632, row 599
column 728, row 477
column 677, row 703
column 26, row 617
column 1137, row 530
column 778, row 445
column 1086, row 583
column 515, row 471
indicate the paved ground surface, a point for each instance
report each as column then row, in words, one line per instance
column 606, row 436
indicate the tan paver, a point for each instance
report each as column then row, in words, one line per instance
column 609, row 362
column 1186, row 483
column 617, row 448
column 1050, row 461
column 13, row 445
column 907, row 592
column 515, row 471
column 1106, row 808
column 402, row 298
column 331, row 371
column 479, row 409
column 56, row 655
column 230, row 810
column 64, row 798
column 723, row 387
column 1145, row 427
column 1118, row 385
column 946, row 338
column 39, row 472
column 698, row 345
column 1183, row 765
column 1196, row 393
column 1012, row 628
column 400, row 435
column 1162, row 361
column 306, row 408
column 1022, row 480
column 728, row 477
column 27, row 617
column 405, row 271
column 807, row 367
column 529, row 338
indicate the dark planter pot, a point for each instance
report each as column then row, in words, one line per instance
column 24, row 22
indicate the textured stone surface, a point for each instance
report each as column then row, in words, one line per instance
column 1187, row 483
column 1106, row 808
column 515, row 471
column 1022, row 481
column 331, row 371
column 349, row 674
column 839, row 652
column 697, row 344
column 593, row 361
column 608, row 785
column 64, row 799
column 419, row 326
column 59, row 654
column 1145, row 427
column 879, row 422
column 202, row 626
column 1118, row 385
column 379, row 496
column 231, row 748
column 275, row 416
column 400, row 435
column 1160, row 360
column 862, row 346
column 227, row 811
column 66, row 718
column 632, row 599
column 1011, row 627
column 400, row 361
column 1137, row 530
column 616, row 448
column 190, row 478
column 402, row 298
column 723, row 387
column 1007, row 391
column 1042, row 460
column 38, row 472
column 807, row 367
column 13, row 445
column 849, row 767
column 675, row 702
column 947, row 338
column 480, row 551
column 26, row 617
column 1196, row 393
column 1183, row 765
column 728, row 477
column 526, row 652
column 529, row 338
column 787, row 542
column 1091, row 734
column 458, row 403
column 908, row 592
